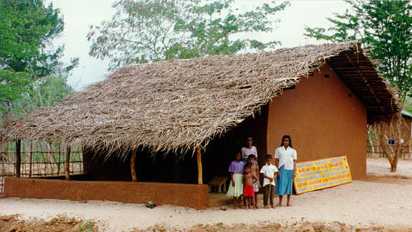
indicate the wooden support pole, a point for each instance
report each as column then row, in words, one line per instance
column 133, row 164
column 84, row 162
column 67, row 163
column 199, row 165
column 59, row 160
column 31, row 159
column 2, row 158
column 18, row 157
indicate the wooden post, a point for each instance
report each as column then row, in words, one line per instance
column 85, row 160
column 199, row 165
column 2, row 158
column 133, row 164
column 59, row 161
column 67, row 163
column 18, row 157
column 30, row 158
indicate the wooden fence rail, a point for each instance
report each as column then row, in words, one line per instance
column 1, row 185
column 39, row 159
column 376, row 152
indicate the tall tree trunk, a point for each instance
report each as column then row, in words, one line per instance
column 394, row 164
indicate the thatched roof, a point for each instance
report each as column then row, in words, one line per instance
column 184, row 103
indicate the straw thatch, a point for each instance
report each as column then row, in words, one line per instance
column 185, row 103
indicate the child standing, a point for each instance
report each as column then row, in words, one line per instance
column 254, row 168
column 236, row 183
column 269, row 172
column 248, row 192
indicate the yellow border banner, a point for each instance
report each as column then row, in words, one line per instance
column 320, row 174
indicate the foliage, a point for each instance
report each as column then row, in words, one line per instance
column 408, row 105
column 385, row 27
column 12, row 86
column 149, row 30
column 44, row 92
column 27, row 57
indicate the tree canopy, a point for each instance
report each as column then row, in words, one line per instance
column 384, row 27
column 27, row 55
column 148, row 30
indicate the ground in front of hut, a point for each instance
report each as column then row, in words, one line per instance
column 63, row 224
column 379, row 203
column 57, row 224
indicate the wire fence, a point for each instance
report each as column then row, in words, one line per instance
column 38, row 159
column 376, row 152
column 1, row 184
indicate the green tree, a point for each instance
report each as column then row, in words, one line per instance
column 12, row 86
column 46, row 91
column 149, row 30
column 385, row 28
column 27, row 55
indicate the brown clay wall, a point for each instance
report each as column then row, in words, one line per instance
column 324, row 119
column 187, row 195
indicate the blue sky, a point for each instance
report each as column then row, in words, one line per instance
column 79, row 15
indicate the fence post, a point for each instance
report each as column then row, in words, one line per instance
column 31, row 158
column 2, row 158
column 59, row 160
column 67, row 163
column 18, row 157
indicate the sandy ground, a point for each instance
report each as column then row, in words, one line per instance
column 387, row 203
column 276, row 227
column 380, row 167
column 57, row 224
column 62, row 224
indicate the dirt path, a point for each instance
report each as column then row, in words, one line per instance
column 380, row 167
column 275, row 227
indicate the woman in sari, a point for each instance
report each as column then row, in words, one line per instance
column 286, row 158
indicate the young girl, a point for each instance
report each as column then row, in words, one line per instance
column 254, row 168
column 248, row 192
column 236, row 184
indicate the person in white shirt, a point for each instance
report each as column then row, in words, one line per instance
column 269, row 172
column 249, row 149
column 285, row 157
